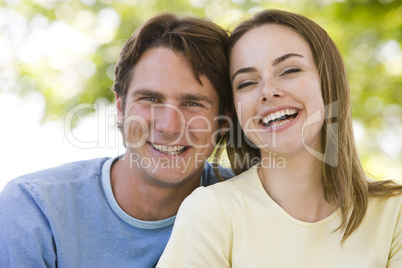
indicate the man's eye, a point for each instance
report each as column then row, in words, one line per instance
column 153, row 99
column 191, row 103
column 290, row 71
column 246, row 84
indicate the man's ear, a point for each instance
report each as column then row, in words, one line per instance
column 119, row 106
column 225, row 123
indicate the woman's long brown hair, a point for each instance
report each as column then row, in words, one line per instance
column 344, row 182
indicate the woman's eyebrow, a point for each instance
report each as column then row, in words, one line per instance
column 285, row 57
column 244, row 70
column 275, row 62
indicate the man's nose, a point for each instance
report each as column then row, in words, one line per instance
column 169, row 120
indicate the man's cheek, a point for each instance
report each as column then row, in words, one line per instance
column 199, row 132
column 136, row 131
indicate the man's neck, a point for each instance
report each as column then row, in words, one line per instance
column 144, row 200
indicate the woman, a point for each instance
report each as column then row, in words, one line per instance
column 307, row 203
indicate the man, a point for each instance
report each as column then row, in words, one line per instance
column 172, row 95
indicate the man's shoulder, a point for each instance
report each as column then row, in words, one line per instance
column 209, row 176
column 65, row 173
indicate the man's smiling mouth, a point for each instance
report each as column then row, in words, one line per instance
column 171, row 150
column 279, row 118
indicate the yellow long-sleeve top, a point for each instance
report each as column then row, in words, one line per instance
column 237, row 224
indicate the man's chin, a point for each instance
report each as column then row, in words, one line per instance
column 169, row 176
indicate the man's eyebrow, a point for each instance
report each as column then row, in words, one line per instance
column 147, row 92
column 244, row 70
column 183, row 97
column 195, row 97
column 285, row 57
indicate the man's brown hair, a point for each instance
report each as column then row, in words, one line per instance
column 201, row 41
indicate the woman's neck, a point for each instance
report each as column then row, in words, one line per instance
column 296, row 186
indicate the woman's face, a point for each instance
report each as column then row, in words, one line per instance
column 277, row 90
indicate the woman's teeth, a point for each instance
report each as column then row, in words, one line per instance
column 279, row 117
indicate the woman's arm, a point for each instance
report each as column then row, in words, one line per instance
column 395, row 255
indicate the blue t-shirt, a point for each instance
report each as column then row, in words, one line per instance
column 68, row 217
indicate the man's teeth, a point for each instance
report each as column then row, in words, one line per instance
column 172, row 150
column 279, row 114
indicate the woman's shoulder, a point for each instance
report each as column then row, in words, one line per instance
column 386, row 205
column 247, row 179
column 249, row 176
column 233, row 188
column 222, row 198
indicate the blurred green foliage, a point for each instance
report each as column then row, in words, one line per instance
column 367, row 32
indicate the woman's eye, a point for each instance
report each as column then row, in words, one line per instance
column 246, row 84
column 290, row 71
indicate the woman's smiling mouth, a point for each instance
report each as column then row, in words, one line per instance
column 279, row 118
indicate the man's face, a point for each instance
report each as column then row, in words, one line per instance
column 170, row 119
